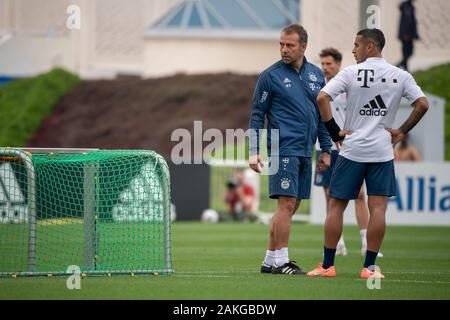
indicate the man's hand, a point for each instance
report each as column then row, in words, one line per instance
column 324, row 162
column 397, row 135
column 342, row 134
column 255, row 163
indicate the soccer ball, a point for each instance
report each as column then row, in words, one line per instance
column 173, row 212
column 210, row 216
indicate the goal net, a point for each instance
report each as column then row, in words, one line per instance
column 106, row 211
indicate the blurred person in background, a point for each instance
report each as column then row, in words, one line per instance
column 240, row 198
column 407, row 32
column 405, row 151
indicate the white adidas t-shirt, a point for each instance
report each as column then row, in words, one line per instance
column 374, row 89
column 338, row 108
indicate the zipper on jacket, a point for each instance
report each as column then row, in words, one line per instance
column 309, row 113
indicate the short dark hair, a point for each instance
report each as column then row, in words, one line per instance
column 331, row 52
column 375, row 35
column 296, row 28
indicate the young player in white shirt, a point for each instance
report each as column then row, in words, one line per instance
column 374, row 89
column 331, row 59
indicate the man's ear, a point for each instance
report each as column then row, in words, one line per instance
column 303, row 46
column 370, row 46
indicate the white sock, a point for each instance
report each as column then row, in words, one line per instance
column 363, row 234
column 281, row 257
column 341, row 242
column 269, row 260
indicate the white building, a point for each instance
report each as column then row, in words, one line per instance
column 162, row 37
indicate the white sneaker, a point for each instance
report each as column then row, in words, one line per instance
column 363, row 253
column 363, row 248
column 341, row 251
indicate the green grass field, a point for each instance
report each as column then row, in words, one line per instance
column 221, row 261
column 60, row 243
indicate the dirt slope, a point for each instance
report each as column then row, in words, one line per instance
column 132, row 113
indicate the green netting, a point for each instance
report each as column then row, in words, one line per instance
column 106, row 211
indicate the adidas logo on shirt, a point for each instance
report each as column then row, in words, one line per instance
column 287, row 83
column 374, row 108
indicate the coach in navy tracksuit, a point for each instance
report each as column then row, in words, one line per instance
column 286, row 94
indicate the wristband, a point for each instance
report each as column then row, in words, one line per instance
column 333, row 130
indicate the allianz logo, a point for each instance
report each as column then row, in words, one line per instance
column 422, row 194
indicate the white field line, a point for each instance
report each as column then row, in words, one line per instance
column 231, row 274
column 384, row 280
column 417, row 281
column 257, row 271
column 203, row 276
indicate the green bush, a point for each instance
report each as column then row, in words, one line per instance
column 26, row 102
column 437, row 81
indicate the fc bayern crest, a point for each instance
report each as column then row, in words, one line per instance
column 312, row 77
